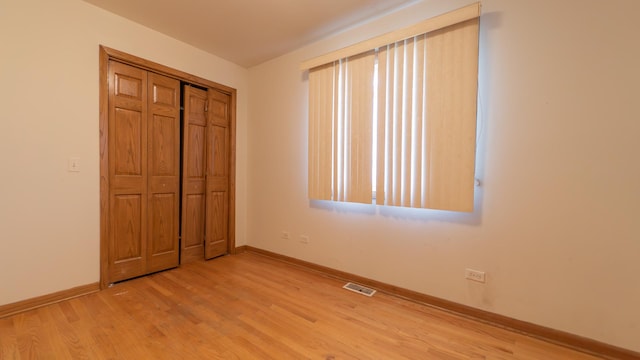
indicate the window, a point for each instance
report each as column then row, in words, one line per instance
column 414, row 90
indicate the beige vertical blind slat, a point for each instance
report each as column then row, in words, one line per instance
column 382, row 175
column 417, row 143
column 422, row 198
column 338, row 136
column 407, row 124
column 396, row 125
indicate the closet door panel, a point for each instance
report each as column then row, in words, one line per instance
column 128, row 141
column 127, row 246
column 219, row 108
column 164, row 91
column 128, row 82
column 217, row 211
column 195, row 156
column 193, row 234
column 218, row 163
column 193, row 174
column 127, row 171
column 164, row 144
column 163, row 161
column 162, row 231
column 128, row 229
column 217, row 219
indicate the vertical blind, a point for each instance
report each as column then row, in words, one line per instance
column 419, row 93
column 340, row 141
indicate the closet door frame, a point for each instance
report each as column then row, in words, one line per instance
column 105, row 55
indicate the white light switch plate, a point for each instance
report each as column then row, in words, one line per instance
column 74, row 164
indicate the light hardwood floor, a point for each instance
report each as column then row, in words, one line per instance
column 249, row 306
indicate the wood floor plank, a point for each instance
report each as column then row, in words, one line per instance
column 249, row 306
column 8, row 340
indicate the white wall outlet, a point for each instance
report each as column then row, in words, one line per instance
column 285, row 235
column 474, row 275
column 74, row 164
column 304, row 239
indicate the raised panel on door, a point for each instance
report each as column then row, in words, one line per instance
column 193, row 174
column 217, row 221
column 217, row 203
column 163, row 121
column 128, row 147
column 127, row 245
column 162, row 231
column 127, row 171
column 193, row 231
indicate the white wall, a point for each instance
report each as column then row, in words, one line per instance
column 557, row 225
column 49, row 218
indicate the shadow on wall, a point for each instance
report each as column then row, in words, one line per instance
column 422, row 215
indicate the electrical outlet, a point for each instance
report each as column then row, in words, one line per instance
column 474, row 275
column 285, row 235
column 304, row 239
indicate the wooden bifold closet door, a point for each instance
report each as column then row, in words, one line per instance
column 205, row 174
column 194, row 176
column 144, row 148
column 144, row 169
column 217, row 210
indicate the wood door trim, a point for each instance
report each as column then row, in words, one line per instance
column 164, row 70
column 104, row 167
column 231, row 248
column 105, row 55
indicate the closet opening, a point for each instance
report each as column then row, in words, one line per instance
column 167, row 167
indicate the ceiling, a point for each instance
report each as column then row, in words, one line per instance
column 248, row 32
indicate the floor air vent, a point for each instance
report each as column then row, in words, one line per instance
column 359, row 289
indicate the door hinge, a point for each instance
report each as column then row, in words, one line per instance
column 206, row 106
